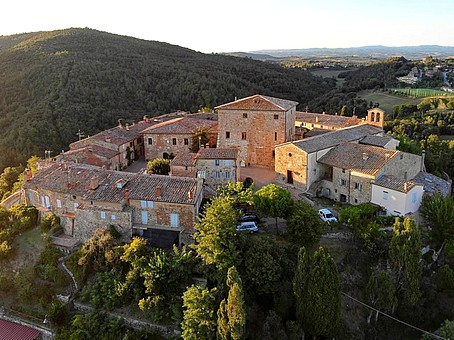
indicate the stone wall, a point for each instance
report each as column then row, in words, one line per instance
column 183, row 171
column 403, row 166
column 261, row 131
column 217, row 175
column 291, row 158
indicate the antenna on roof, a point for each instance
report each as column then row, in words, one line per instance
column 80, row 134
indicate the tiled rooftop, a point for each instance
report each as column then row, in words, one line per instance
column 184, row 159
column 96, row 184
column 365, row 159
column 376, row 140
column 14, row 331
column 327, row 119
column 259, row 102
column 432, row 184
column 183, row 125
column 217, row 153
column 333, row 138
column 93, row 155
column 394, row 183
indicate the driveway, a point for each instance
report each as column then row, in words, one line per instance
column 261, row 176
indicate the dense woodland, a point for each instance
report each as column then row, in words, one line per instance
column 54, row 83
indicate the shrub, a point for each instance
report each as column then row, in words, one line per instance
column 5, row 250
column 445, row 278
column 49, row 222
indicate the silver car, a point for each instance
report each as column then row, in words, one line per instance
column 250, row 227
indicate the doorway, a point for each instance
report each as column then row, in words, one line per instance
column 289, row 177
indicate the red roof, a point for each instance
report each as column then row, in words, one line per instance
column 259, row 102
column 13, row 331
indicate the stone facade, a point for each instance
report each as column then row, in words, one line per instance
column 254, row 126
column 218, row 172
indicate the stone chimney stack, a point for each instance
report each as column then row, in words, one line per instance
column 190, row 195
column 158, row 192
column 127, row 197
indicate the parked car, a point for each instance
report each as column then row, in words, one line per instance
column 250, row 227
column 249, row 217
column 327, row 216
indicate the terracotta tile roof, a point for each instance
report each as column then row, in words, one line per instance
column 183, row 125
column 327, row 119
column 93, row 155
column 184, row 159
column 376, row 140
column 432, row 184
column 355, row 157
column 333, row 138
column 96, row 184
column 14, row 331
column 217, row 153
column 394, row 183
column 315, row 132
column 260, row 103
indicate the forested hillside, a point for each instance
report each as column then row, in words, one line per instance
column 54, row 83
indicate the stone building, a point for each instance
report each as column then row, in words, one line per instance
column 349, row 169
column 92, row 155
column 173, row 137
column 161, row 209
column 255, row 125
column 216, row 166
column 297, row 161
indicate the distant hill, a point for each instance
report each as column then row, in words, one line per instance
column 381, row 52
column 54, row 83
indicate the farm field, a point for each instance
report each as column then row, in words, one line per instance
column 386, row 100
column 331, row 73
column 420, row 93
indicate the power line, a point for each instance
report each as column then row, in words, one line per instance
column 393, row 318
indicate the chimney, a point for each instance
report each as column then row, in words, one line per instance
column 28, row 174
column 365, row 156
column 316, row 118
column 120, row 125
column 108, row 139
column 190, row 195
column 127, row 126
column 423, row 157
column 405, row 186
column 145, row 118
column 158, row 192
column 127, row 197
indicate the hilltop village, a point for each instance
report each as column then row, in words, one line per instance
column 346, row 159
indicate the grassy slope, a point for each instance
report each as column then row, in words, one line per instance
column 386, row 100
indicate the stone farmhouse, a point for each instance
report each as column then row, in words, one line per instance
column 161, row 209
column 255, row 125
column 215, row 166
column 172, row 137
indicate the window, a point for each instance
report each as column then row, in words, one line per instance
column 312, row 125
column 343, row 171
column 174, row 220
column 275, row 136
column 47, row 199
column 274, row 153
column 343, row 182
column 216, row 174
column 358, row 186
column 186, row 141
column 144, row 215
column 244, row 115
column 201, row 174
column 227, row 134
column 174, row 141
column 113, row 217
column 58, row 203
column 227, row 174
column 276, row 116
column 150, row 204
column 146, row 204
column 227, row 163
column 103, row 215
column 143, row 204
column 217, row 162
column 413, row 197
column 243, row 135
column 43, row 201
column 76, row 205
column 385, row 195
column 150, row 141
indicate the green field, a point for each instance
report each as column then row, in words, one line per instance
column 331, row 73
column 419, row 93
column 386, row 100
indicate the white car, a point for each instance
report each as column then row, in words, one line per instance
column 327, row 216
column 250, row 227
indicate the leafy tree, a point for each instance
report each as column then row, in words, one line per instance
column 50, row 221
column 232, row 313
column 159, row 166
column 237, row 193
column 274, row 201
column 199, row 139
column 438, row 212
column 303, row 225
column 381, row 292
column 317, row 291
column 199, row 320
column 7, row 179
column 57, row 313
column 404, row 256
column 215, row 234
column 445, row 278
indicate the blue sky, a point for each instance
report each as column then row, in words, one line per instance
column 244, row 25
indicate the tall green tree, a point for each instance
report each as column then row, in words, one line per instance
column 158, row 166
column 438, row 212
column 404, row 256
column 215, row 234
column 232, row 312
column 199, row 321
column 317, row 292
column 274, row 201
column 304, row 227
column 381, row 292
column 199, row 139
